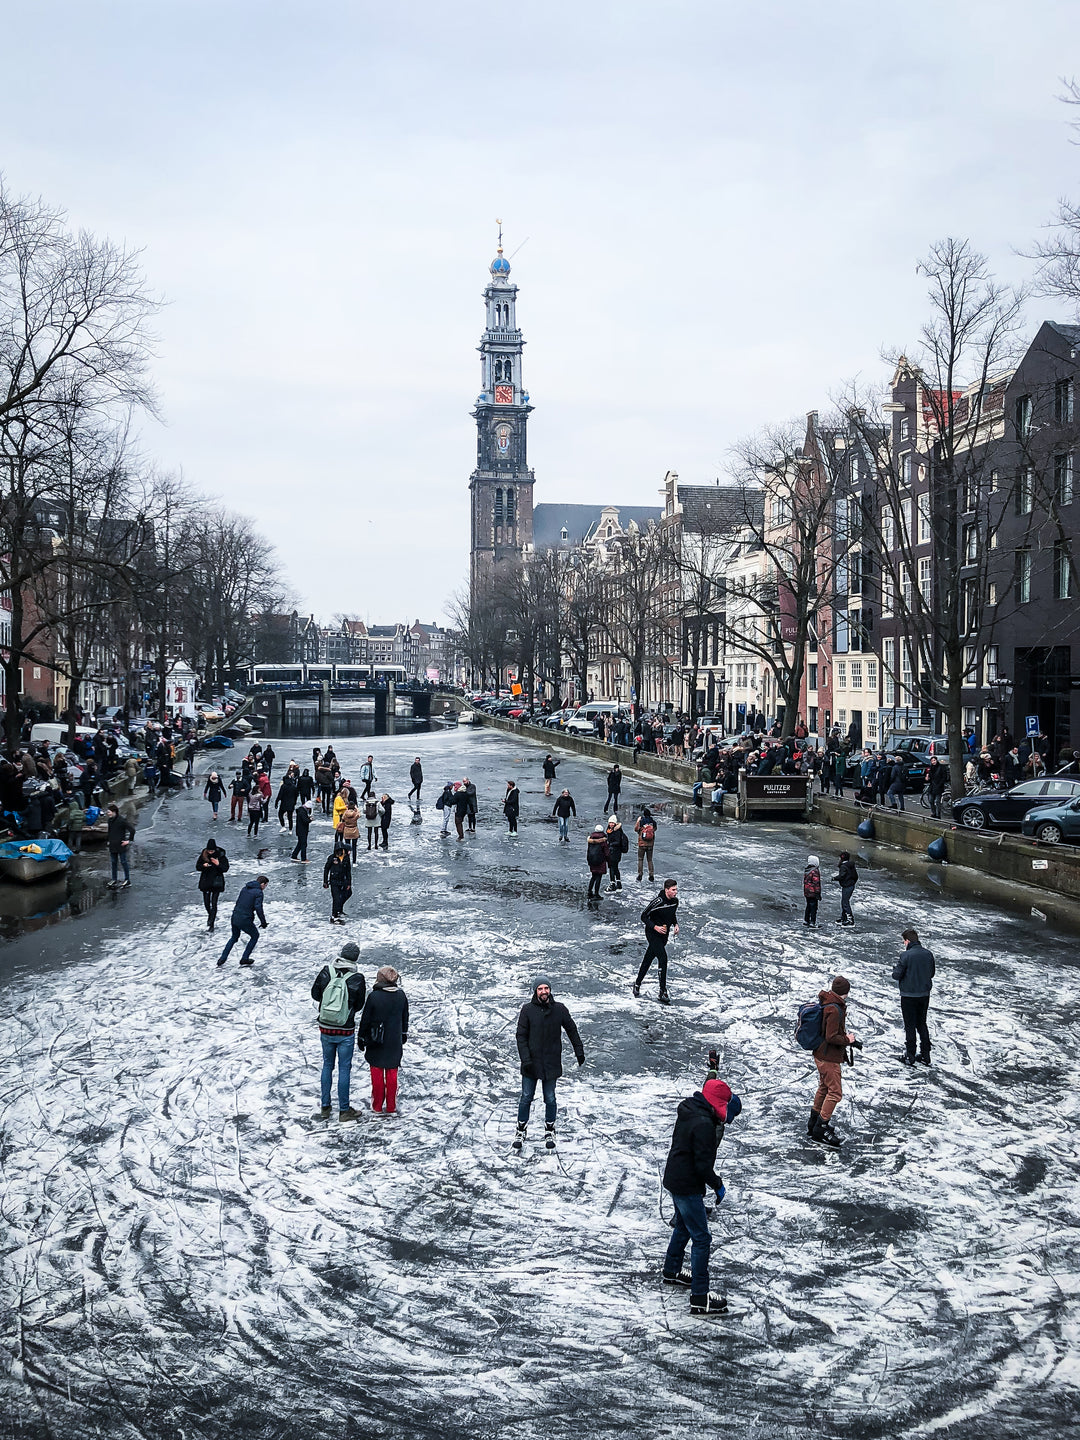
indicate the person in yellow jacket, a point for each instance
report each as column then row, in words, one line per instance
column 345, row 797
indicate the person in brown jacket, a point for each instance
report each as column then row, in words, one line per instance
column 828, row 1057
column 349, row 828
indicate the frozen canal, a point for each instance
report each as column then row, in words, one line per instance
column 186, row 1253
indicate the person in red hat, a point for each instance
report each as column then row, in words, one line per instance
column 690, row 1168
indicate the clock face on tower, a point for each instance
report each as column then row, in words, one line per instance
column 504, row 394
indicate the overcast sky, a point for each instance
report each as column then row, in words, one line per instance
column 723, row 206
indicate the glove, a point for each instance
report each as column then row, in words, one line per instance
column 528, row 1070
column 720, row 1193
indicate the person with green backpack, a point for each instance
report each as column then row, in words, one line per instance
column 340, row 991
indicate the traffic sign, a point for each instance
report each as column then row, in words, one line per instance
column 1031, row 725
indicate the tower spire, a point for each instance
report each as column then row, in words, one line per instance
column 499, row 224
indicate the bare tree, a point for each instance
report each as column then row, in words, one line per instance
column 942, row 576
column 1058, row 258
column 633, row 619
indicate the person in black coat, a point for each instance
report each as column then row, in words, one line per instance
column 416, row 777
column 249, row 904
column 337, row 878
column 384, row 1029
column 937, row 777
column 286, row 800
column 897, row 786
column 120, row 833
column 512, row 806
column 550, row 766
column 690, row 1168
column 305, row 786
column 541, row 1022
column 386, row 814
column 847, row 877
column 303, row 825
column 461, row 810
column 614, row 785
column 660, row 918
column 211, row 865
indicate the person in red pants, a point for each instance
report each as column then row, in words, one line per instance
column 383, row 1030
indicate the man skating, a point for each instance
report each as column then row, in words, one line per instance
column 614, row 786
column 368, row 776
column 416, row 779
column 539, row 1041
column 563, row 808
column 659, row 919
column 914, row 972
column 249, row 904
column 690, row 1169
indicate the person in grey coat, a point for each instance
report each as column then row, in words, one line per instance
column 383, row 1031
column 914, row 972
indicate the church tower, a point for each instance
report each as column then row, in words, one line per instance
column 501, row 486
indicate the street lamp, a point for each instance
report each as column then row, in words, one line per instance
column 1001, row 692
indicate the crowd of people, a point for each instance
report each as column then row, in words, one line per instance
column 351, row 1017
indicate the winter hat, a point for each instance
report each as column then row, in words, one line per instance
column 734, row 1108
column 840, row 985
column 598, row 830
column 350, row 953
column 388, row 975
column 540, row 980
column 717, row 1094
column 812, row 860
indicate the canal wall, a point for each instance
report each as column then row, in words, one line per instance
column 1004, row 856
column 994, row 853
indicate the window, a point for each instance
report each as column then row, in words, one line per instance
column 37, row 672
column 991, row 593
column 1062, row 570
column 855, row 573
column 856, row 674
column 971, row 544
column 812, row 712
column 871, row 725
column 924, row 579
column 888, row 529
column 905, row 470
column 841, row 716
column 906, row 695
column 905, row 429
column 888, row 592
column 841, row 674
column 811, row 676
column 840, row 637
column 498, row 507
column 970, row 675
column 995, row 481
column 991, row 664
column 1025, row 490
column 1023, row 576
column 905, row 522
column 908, row 589
column 779, row 512
column 871, row 674
column 1063, row 402
column 1022, row 416
column 971, row 493
column 1063, row 479
column 970, row 716
column 510, row 517
column 924, row 519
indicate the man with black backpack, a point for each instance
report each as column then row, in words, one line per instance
column 659, row 919
column 690, row 1168
column 340, row 991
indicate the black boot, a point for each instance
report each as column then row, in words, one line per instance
column 823, row 1134
column 813, row 1122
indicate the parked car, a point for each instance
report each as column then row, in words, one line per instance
column 583, row 721
column 915, row 753
column 557, row 719
column 1007, row 809
column 218, row 742
column 1054, row 823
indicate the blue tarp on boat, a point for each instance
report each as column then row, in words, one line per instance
column 21, row 850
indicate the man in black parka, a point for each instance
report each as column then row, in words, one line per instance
column 539, row 1041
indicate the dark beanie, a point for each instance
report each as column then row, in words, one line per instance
column 350, row 952
column 840, row 985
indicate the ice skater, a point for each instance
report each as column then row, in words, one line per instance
column 691, row 1169
column 596, row 856
column 384, row 1029
column 914, row 972
column 416, row 777
column 659, row 919
column 811, row 889
column 541, row 1022
column 248, row 906
column 211, row 865
column 337, row 878
column 563, row 808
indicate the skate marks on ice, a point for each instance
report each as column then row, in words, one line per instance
column 187, row 1249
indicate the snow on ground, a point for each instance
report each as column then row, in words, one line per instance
column 187, row 1252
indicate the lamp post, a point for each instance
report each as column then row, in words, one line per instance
column 1001, row 692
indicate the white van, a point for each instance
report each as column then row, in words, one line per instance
column 57, row 734
column 583, row 721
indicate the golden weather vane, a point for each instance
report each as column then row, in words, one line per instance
column 499, row 223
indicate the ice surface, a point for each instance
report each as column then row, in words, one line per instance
column 186, row 1252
